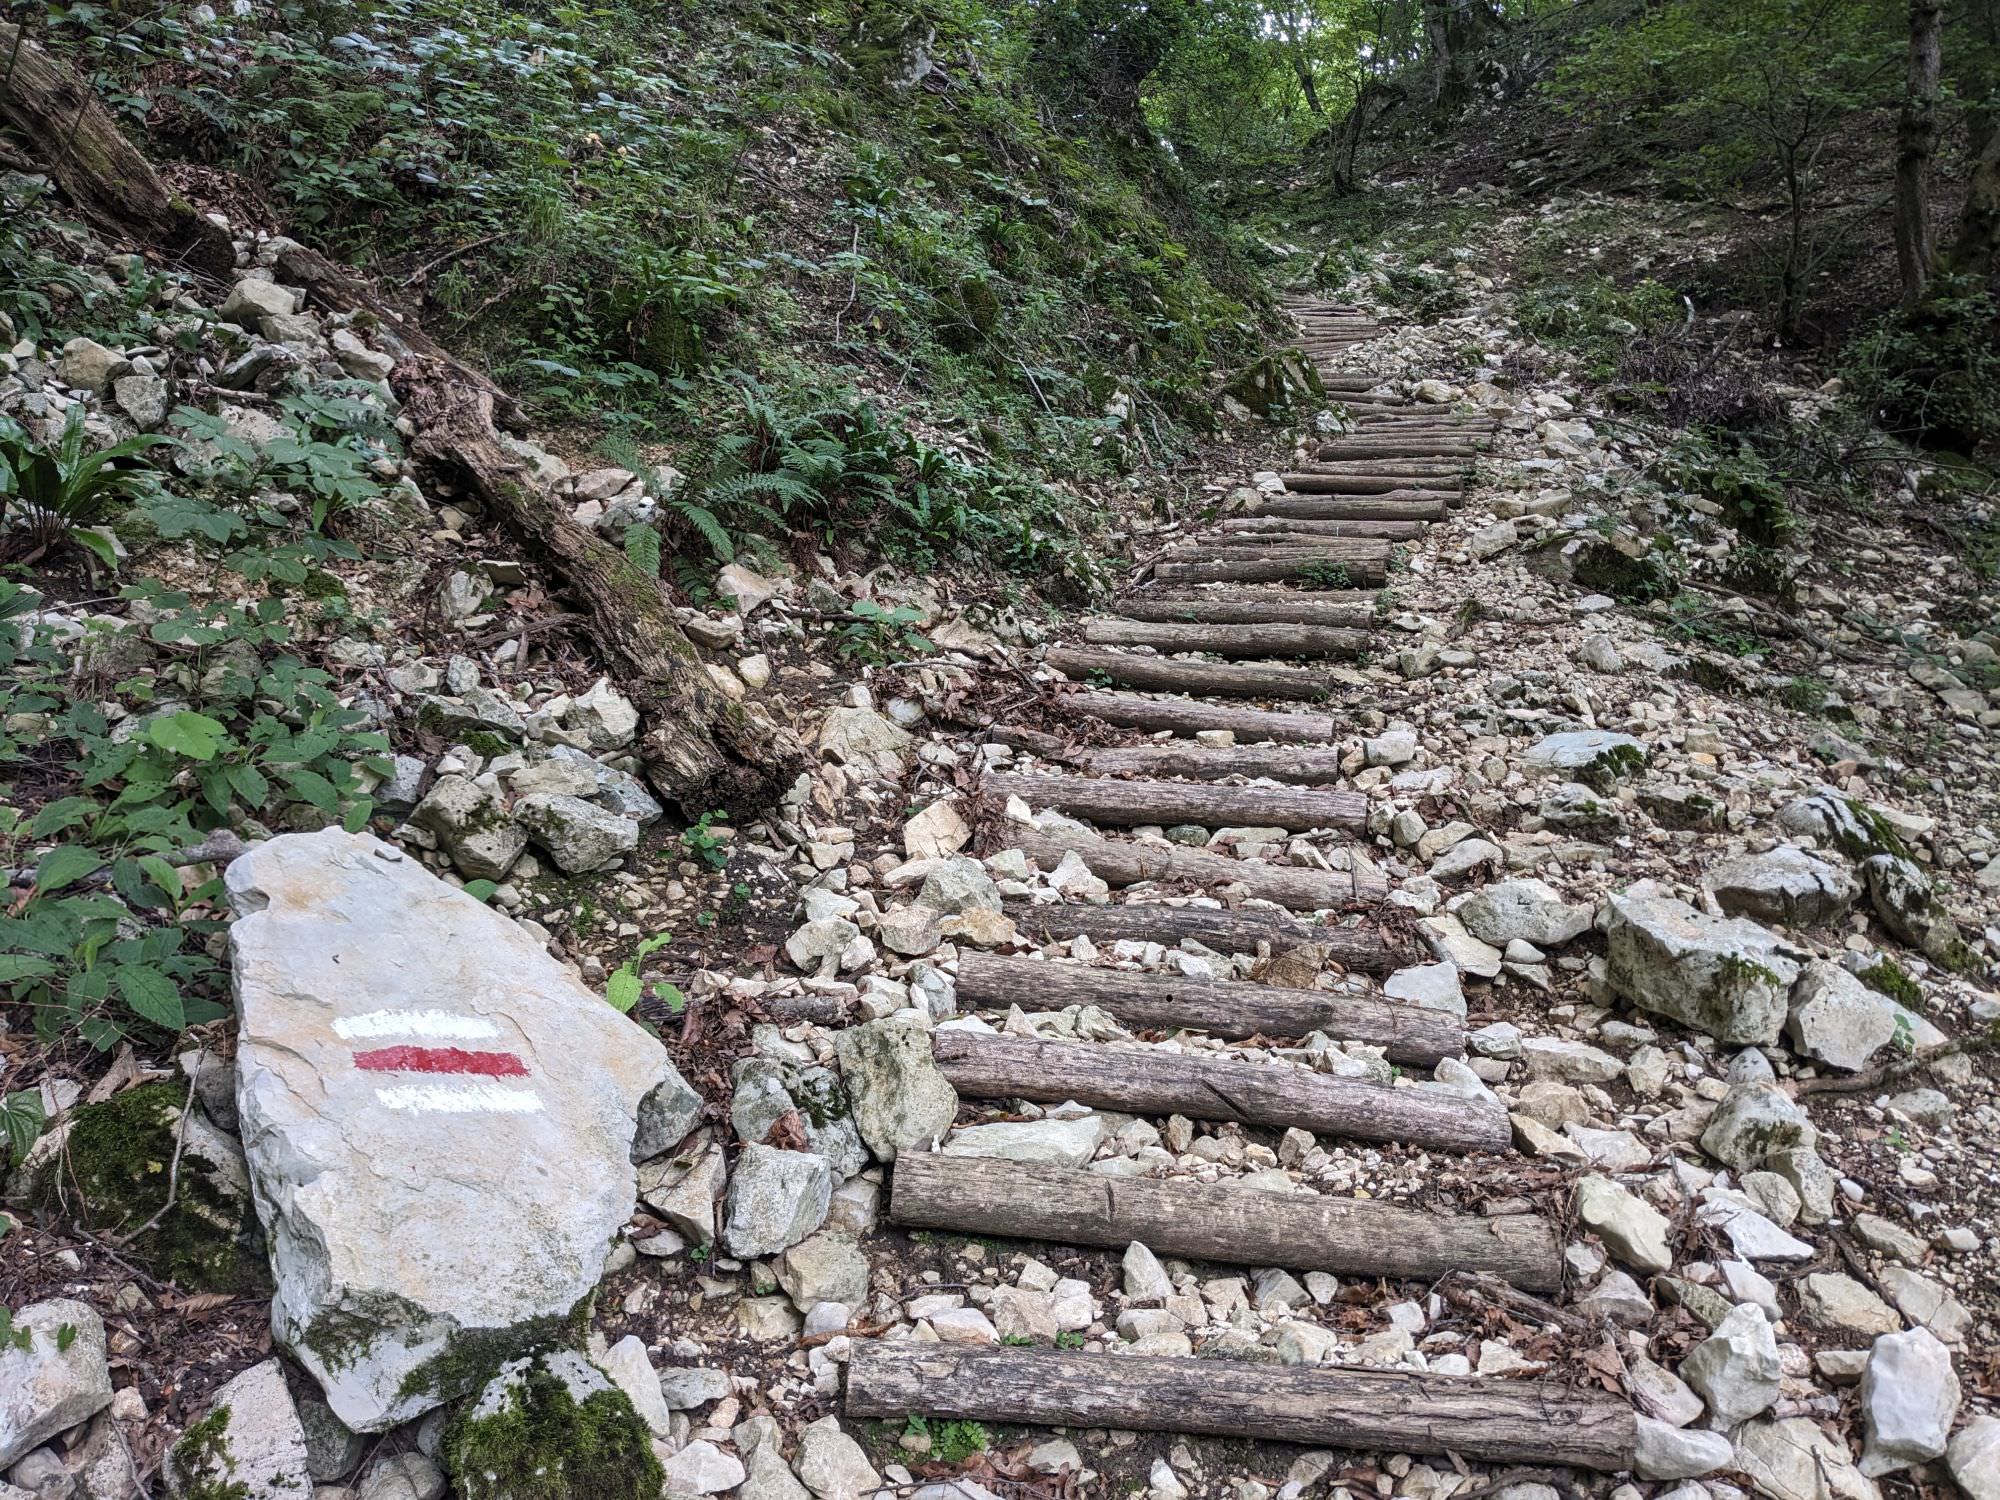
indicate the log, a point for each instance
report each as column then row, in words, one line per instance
column 1225, row 1008
column 1278, row 535
column 1191, row 716
column 1361, row 949
column 1132, row 804
column 1491, row 1421
column 1229, row 640
column 1407, row 468
column 1304, row 764
column 1202, row 1221
column 1336, row 507
column 107, row 178
column 1294, row 568
column 1128, row 863
column 1172, row 674
column 701, row 751
column 1400, row 448
column 1158, row 1082
column 1400, row 486
column 1266, row 608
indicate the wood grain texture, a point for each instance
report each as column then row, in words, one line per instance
column 1127, row 862
column 1134, row 803
column 1191, row 716
column 1286, row 639
column 1168, row 674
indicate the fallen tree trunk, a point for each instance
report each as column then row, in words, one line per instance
column 1491, row 1421
column 1266, row 609
column 1400, row 448
column 701, row 751
column 105, row 176
column 1238, row 1226
column 1191, row 716
column 1155, row 1081
column 1341, row 518
column 1388, row 486
column 1361, row 950
column 1230, row 1009
column 1133, row 804
column 1304, row 568
column 1128, row 863
column 1229, row 640
column 1393, row 505
column 1303, row 764
column 1278, row 534
column 1168, row 674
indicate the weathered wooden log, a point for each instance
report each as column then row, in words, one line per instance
column 1321, row 507
column 1237, row 1226
column 1351, row 380
column 1305, row 764
column 1127, row 862
column 108, row 179
column 1278, row 533
column 1398, row 486
column 1230, row 1009
column 1168, row 674
column 700, row 750
column 1133, row 804
column 1268, row 607
column 1191, row 716
column 1362, row 949
column 1490, row 1421
column 1404, row 468
column 1328, row 572
column 1401, row 448
column 1229, row 640
column 1363, row 399
column 1278, row 1095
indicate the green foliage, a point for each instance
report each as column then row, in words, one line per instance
column 625, row 988
column 950, row 1442
column 543, row 1444
column 869, row 633
column 1597, row 318
column 702, row 843
column 1322, row 574
column 12, row 1337
column 64, row 489
column 1887, row 977
column 1930, row 371
column 1805, row 695
column 20, row 1122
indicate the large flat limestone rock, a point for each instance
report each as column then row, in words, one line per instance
column 438, row 1118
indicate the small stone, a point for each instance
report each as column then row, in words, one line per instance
column 832, row 1465
column 1843, row 1306
column 1635, row 1231
column 1666, row 1452
column 1973, row 1457
column 1059, row 1143
column 1909, row 1398
column 936, row 832
column 57, row 1381
column 776, row 1198
column 1736, row 1369
column 701, row 1468
column 251, row 1442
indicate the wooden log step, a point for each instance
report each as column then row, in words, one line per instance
column 1362, row 398
column 1133, row 804
column 1314, row 509
column 1191, row 716
column 1336, row 549
column 1127, row 862
column 1229, row 640
column 1360, row 950
column 1277, row 1095
column 1401, row 486
column 1409, row 468
column 1203, row 1221
column 1168, row 674
column 1410, row 448
column 1316, row 570
column 1271, row 607
column 1278, row 534
column 1303, row 765
column 1227, row 1008
column 1492, row 1421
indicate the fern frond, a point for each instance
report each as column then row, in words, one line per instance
column 705, row 521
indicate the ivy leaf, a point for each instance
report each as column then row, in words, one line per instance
column 65, row 865
column 188, row 733
column 151, row 994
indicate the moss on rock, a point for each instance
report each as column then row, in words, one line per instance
column 551, row 1430
column 113, row 1172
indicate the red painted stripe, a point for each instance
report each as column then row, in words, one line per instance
column 441, row 1060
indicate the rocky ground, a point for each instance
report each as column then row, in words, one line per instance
column 1721, row 947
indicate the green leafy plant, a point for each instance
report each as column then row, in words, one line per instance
column 949, row 1442
column 1017, row 1340
column 12, row 1337
column 702, row 843
column 64, row 490
column 1324, row 574
column 624, row 988
column 20, row 1121
column 869, row 633
column 1069, row 1338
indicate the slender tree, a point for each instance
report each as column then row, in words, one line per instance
column 1916, row 140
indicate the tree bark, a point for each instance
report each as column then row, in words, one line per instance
column 1171, row 675
column 1363, row 949
column 701, row 751
column 1490, row 1421
column 1280, row 532
column 1976, row 240
column 1916, row 140
column 1340, row 510
column 1335, row 572
column 1128, row 863
column 1391, row 447
column 1133, row 804
column 1260, row 609
column 1229, row 640
column 1305, row 765
column 104, row 175
column 1191, row 716
column 1202, row 1221
column 1279, row 1095
column 1227, row 1009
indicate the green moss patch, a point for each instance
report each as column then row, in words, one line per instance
column 112, row 1175
column 537, row 1441
column 202, row 1462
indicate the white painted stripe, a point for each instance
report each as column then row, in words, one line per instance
column 478, row 1098
column 434, row 1025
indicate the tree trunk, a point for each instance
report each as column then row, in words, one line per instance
column 1489, row 1421
column 1191, row 716
column 1305, row 765
column 1157, row 1081
column 1134, row 804
column 103, row 174
column 1336, row 509
column 1220, row 1221
column 1916, row 139
column 701, row 751
column 1366, row 949
column 1169, row 674
column 1977, row 239
column 1234, row 640
column 1259, row 609
column 1117, row 862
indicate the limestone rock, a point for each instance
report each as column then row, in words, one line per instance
column 767, row 1088
column 1841, row 1305
column 1836, row 1019
column 631, row 1370
column 1909, row 1397
column 1973, row 1457
column 862, row 737
column 1784, row 885
column 958, row 886
column 901, row 1099
column 1587, row 755
column 1635, row 1231
column 1736, row 1368
column 936, row 832
column 832, row 1465
column 1755, row 1123
column 701, row 1468
column 1058, row 1143
column 250, row 1445
column 57, row 1382
column 1901, row 895
column 1526, row 910
column 776, row 1198
column 472, row 827
column 1795, row 1459
column 824, row 1267
column 1725, row 976
column 1668, row 1452
column 387, row 1018
column 579, row 835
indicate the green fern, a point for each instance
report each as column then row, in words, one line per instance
column 642, row 546
column 705, row 521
